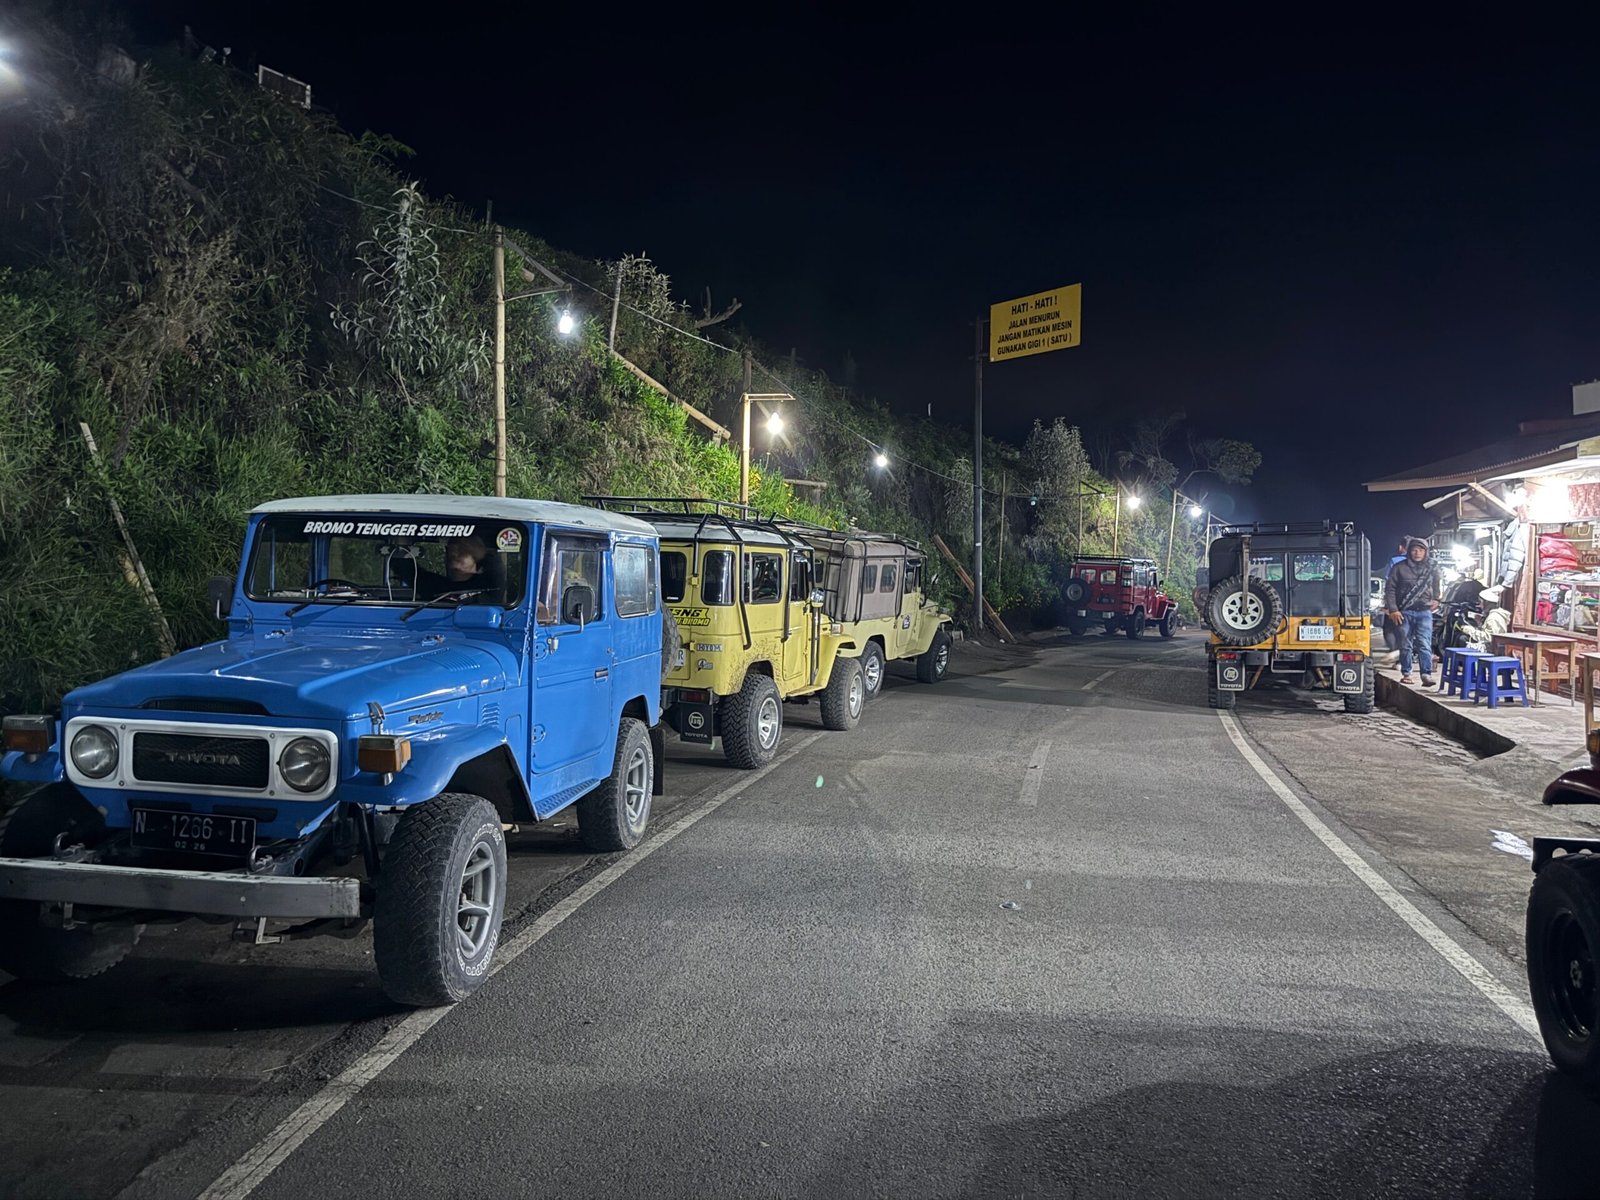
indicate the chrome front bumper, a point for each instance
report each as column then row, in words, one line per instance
column 213, row 893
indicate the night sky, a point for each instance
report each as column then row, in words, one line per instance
column 1359, row 247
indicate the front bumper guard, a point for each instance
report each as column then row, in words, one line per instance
column 210, row 893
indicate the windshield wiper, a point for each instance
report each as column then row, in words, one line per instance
column 340, row 602
column 458, row 595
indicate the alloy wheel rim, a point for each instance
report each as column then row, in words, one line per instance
column 1570, row 977
column 943, row 658
column 636, row 787
column 480, row 885
column 874, row 671
column 855, row 695
column 767, row 722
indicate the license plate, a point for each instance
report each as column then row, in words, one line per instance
column 1316, row 633
column 193, row 833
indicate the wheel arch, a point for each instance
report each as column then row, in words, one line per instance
column 495, row 776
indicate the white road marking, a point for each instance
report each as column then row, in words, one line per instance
column 1089, row 687
column 1032, row 782
column 239, row 1180
column 1448, row 948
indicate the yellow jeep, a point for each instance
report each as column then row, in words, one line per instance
column 751, row 625
column 1290, row 600
column 873, row 594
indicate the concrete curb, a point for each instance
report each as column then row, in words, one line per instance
column 1419, row 704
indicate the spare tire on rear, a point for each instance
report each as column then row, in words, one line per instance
column 1243, row 619
column 670, row 642
column 1074, row 592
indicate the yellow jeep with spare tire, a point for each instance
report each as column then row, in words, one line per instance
column 752, row 627
column 1290, row 600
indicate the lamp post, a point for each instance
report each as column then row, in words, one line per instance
column 565, row 326
column 774, row 426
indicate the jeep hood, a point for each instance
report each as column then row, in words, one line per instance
column 325, row 678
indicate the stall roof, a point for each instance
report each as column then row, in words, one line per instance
column 1536, row 444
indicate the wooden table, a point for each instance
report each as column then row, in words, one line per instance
column 1519, row 644
column 1588, row 664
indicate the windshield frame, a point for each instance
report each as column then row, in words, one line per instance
column 505, row 538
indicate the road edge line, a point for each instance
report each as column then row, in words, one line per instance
column 1475, row 973
column 252, row 1168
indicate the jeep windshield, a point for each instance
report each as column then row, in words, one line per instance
column 384, row 559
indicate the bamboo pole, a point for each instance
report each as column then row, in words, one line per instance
column 132, row 565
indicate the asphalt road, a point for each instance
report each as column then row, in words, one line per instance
column 1040, row 930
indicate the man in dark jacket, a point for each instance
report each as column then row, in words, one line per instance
column 1411, row 597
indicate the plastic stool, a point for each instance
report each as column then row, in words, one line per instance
column 1457, row 670
column 1486, row 681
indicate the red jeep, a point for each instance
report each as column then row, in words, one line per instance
column 1119, row 593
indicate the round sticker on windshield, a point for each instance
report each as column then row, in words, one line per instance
column 508, row 541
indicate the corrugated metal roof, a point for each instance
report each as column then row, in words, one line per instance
column 1539, row 444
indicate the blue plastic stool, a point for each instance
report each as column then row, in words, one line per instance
column 1486, row 681
column 1457, row 670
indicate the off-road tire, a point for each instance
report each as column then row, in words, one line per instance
column 845, row 696
column 1563, row 945
column 1112, row 627
column 934, row 662
column 1218, row 698
column 872, row 668
column 1256, row 625
column 742, row 741
column 1169, row 623
column 1136, row 623
column 1368, row 699
column 1077, row 626
column 1074, row 592
column 614, row 816
column 671, row 640
column 30, row 949
column 416, row 926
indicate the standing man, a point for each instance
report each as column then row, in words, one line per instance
column 1411, row 597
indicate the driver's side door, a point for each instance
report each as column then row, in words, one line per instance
column 572, row 734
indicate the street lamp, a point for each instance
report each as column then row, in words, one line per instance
column 1133, row 502
column 1195, row 510
column 566, row 324
column 881, row 461
column 775, row 424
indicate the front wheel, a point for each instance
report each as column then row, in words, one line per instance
column 1218, row 698
column 1563, row 939
column 1136, row 625
column 752, row 723
column 872, row 667
column 845, row 695
column 613, row 816
column 441, row 898
column 933, row 662
column 1169, row 623
column 30, row 948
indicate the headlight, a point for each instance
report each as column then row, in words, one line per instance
column 304, row 764
column 94, row 751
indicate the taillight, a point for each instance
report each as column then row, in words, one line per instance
column 695, row 696
column 1350, row 658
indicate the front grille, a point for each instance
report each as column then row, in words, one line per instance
column 226, row 762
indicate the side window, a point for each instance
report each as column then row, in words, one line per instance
column 886, row 578
column 1314, row 568
column 869, row 578
column 800, row 578
column 569, row 562
column 1108, row 576
column 674, row 575
column 913, row 567
column 716, row 577
column 635, row 569
column 763, row 578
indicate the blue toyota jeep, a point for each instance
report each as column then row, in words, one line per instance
column 402, row 678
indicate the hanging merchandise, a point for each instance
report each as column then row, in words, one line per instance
column 1512, row 556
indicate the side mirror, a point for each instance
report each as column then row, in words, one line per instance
column 219, row 591
column 577, row 605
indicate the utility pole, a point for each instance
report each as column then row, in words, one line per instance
column 1172, row 532
column 977, row 475
column 744, row 453
column 616, row 303
column 1116, row 523
column 499, row 361
column 1000, row 563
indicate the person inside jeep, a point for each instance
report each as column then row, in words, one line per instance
column 465, row 567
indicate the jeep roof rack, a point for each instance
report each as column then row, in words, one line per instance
column 1288, row 527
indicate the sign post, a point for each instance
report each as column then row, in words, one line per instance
column 1035, row 324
